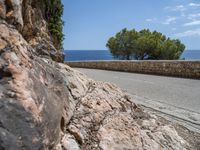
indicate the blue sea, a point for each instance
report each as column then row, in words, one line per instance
column 84, row 55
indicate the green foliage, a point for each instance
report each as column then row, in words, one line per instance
column 53, row 11
column 129, row 44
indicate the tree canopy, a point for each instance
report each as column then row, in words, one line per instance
column 144, row 44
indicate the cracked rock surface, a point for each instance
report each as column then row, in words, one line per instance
column 48, row 105
column 107, row 118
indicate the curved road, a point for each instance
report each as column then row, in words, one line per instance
column 175, row 96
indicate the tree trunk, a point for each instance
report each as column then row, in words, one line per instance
column 127, row 57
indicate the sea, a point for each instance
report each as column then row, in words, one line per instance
column 86, row 55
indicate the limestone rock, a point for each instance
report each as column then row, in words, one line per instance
column 107, row 118
column 48, row 105
column 28, row 18
column 14, row 13
column 69, row 143
column 2, row 9
column 34, row 101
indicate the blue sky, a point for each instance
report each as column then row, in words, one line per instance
column 90, row 23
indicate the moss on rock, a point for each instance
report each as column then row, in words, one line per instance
column 53, row 11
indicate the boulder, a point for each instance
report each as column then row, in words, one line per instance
column 48, row 105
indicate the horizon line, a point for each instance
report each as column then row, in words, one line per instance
column 108, row 49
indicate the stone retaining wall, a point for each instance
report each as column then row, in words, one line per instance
column 186, row 69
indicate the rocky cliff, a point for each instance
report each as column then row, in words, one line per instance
column 29, row 19
column 47, row 105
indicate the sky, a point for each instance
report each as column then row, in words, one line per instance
column 90, row 23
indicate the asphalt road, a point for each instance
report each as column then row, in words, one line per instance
column 176, row 99
column 178, row 92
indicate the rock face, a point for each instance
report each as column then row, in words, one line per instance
column 28, row 18
column 33, row 94
column 48, row 105
column 107, row 118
